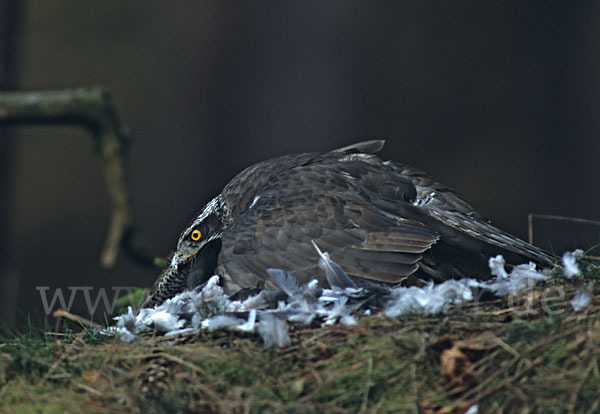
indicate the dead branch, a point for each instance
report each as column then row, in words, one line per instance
column 92, row 108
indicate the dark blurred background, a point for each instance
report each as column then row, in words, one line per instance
column 497, row 99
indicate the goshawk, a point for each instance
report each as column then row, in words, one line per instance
column 381, row 221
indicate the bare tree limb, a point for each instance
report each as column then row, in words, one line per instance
column 92, row 108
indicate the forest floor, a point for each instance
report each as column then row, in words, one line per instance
column 530, row 353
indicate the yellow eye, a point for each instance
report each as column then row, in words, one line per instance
column 196, row 235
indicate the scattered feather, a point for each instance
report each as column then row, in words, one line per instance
column 496, row 265
column 176, row 332
column 520, row 278
column 127, row 320
column 581, row 299
column 337, row 311
column 268, row 312
column 125, row 334
column 273, row 331
column 474, row 409
column 221, row 322
column 569, row 261
column 429, row 299
column 334, row 273
column 284, row 282
column 250, row 324
column 164, row 321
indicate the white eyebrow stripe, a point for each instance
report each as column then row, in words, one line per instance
column 211, row 207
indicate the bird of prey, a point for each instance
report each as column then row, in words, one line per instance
column 382, row 222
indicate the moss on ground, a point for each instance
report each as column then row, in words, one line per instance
column 506, row 355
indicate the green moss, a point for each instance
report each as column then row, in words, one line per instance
column 534, row 362
column 134, row 299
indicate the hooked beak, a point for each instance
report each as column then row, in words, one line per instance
column 180, row 259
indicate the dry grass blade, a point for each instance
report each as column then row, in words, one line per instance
column 490, row 353
column 530, row 218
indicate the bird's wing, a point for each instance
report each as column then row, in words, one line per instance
column 276, row 232
column 485, row 232
column 461, row 224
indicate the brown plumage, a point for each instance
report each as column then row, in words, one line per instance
column 382, row 222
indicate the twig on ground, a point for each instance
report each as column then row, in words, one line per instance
column 87, row 388
column 577, row 388
column 413, row 373
column 367, row 387
column 75, row 318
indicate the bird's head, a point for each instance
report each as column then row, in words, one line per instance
column 196, row 256
column 205, row 228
